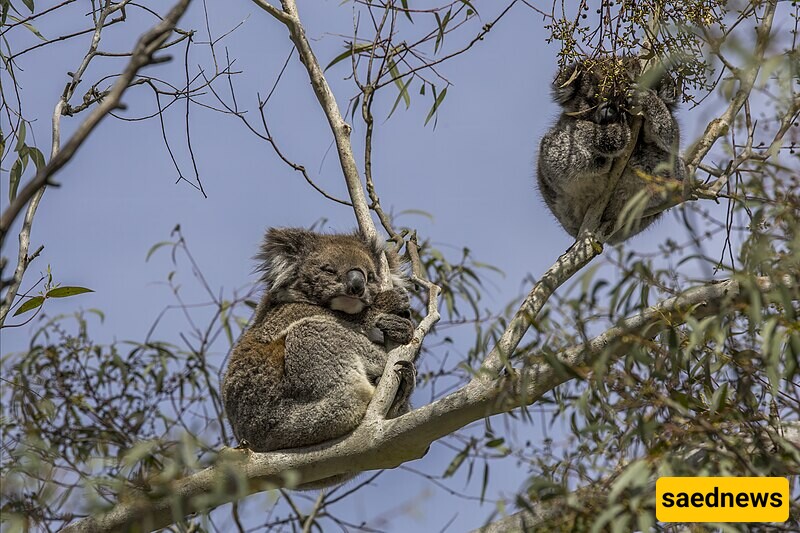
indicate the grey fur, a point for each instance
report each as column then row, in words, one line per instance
column 303, row 373
column 576, row 155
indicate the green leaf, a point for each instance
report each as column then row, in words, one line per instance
column 33, row 30
column 403, row 87
column 64, row 292
column 28, row 4
column 36, row 155
column 606, row 517
column 28, row 25
column 33, row 303
column 636, row 474
column 224, row 318
column 404, row 3
column 469, row 4
column 155, row 247
column 436, row 105
column 485, row 480
column 13, row 180
column 351, row 50
column 442, row 24
column 719, row 398
column 20, row 137
column 416, row 212
column 457, row 461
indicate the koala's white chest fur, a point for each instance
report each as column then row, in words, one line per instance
column 347, row 304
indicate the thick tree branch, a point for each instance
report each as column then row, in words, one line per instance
column 380, row 443
column 142, row 56
column 341, row 130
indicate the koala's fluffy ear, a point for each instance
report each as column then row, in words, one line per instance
column 282, row 253
column 374, row 246
column 566, row 83
column 396, row 265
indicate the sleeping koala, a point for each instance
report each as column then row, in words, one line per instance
column 598, row 101
column 306, row 369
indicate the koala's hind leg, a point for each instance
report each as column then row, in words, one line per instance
column 325, row 383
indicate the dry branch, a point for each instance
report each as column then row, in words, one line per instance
column 142, row 56
column 23, row 259
column 340, row 128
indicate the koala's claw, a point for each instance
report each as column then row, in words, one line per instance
column 406, row 365
column 407, row 373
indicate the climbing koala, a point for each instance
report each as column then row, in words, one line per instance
column 598, row 100
column 306, row 369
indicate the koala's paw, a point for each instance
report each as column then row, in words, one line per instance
column 395, row 328
column 407, row 373
column 634, row 95
column 642, row 101
column 394, row 301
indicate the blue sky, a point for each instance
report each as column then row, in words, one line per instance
column 474, row 173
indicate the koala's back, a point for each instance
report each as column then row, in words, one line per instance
column 298, row 378
column 574, row 186
column 577, row 154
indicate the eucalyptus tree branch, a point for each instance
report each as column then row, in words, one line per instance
column 380, row 443
column 585, row 248
column 341, row 130
column 145, row 48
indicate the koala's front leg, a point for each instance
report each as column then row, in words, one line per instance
column 390, row 313
column 579, row 147
column 658, row 124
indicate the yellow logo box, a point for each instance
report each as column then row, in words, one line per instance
column 722, row 499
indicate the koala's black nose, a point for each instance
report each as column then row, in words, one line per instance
column 607, row 113
column 356, row 282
